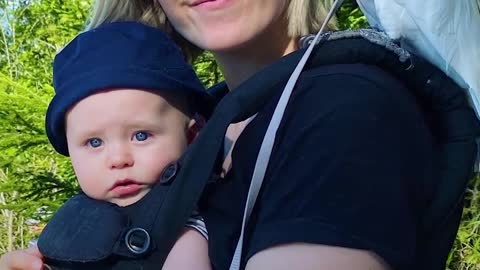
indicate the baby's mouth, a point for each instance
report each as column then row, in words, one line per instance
column 126, row 188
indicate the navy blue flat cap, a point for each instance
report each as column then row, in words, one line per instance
column 118, row 55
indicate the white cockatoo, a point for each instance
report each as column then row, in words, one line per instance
column 445, row 32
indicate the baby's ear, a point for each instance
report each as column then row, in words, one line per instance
column 194, row 126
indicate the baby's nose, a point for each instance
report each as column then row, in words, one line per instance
column 120, row 157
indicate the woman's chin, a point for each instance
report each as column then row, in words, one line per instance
column 220, row 44
column 228, row 41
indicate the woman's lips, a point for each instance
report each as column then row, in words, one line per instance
column 199, row 2
column 210, row 5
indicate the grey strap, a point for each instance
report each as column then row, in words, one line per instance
column 195, row 221
column 267, row 144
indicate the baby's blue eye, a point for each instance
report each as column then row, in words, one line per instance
column 141, row 136
column 95, row 142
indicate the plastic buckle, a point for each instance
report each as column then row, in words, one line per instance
column 131, row 241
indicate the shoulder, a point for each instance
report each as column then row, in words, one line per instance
column 352, row 91
column 360, row 71
column 354, row 82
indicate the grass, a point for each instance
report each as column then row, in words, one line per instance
column 466, row 251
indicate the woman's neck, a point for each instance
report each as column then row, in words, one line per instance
column 240, row 64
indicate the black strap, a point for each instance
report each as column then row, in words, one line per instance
column 199, row 162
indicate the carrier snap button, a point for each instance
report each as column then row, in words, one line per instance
column 137, row 241
column 169, row 173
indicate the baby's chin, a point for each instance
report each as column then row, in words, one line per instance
column 129, row 200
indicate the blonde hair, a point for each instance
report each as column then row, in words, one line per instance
column 147, row 12
column 304, row 17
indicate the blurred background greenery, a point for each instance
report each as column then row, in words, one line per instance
column 34, row 180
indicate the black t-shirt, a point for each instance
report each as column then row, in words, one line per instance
column 350, row 167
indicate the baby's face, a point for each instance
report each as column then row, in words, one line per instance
column 120, row 141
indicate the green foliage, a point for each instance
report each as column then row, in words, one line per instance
column 350, row 16
column 207, row 69
column 34, row 180
column 466, row 251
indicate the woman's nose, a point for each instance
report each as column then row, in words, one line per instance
column 120, row 157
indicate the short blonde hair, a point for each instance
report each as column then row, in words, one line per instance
column 147, row 12
column 304, row 17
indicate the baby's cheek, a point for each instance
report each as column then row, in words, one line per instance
column 90, row 182
column 92, row 188
column 155, row 167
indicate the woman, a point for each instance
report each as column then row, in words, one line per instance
column 350, row 171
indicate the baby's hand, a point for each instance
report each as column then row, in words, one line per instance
column 27, row 259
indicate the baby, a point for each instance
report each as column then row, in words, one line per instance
column 126, row 107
